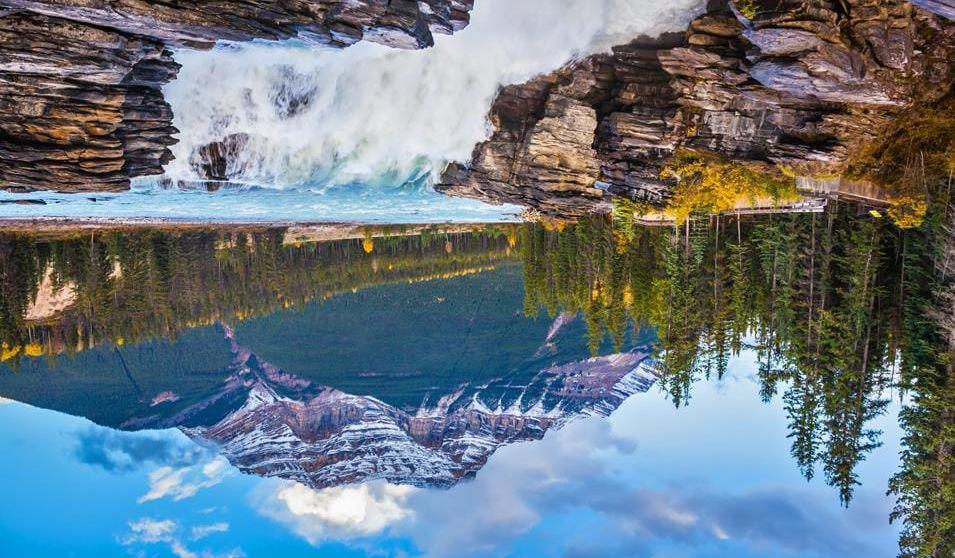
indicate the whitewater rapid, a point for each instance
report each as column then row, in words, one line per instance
column 372, row 115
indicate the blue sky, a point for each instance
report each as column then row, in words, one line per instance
column 709, row 480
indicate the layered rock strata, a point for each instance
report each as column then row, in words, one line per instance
column 200, row 23
column 81, row 106
column 800, row 85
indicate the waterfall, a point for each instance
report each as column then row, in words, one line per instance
column 302, row 116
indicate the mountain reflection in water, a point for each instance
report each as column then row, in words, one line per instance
column 411, row 354
column 401, row 357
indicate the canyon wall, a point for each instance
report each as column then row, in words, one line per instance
column 81, row 106
column 794, row 84
column 800, row 85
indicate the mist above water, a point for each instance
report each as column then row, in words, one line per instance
column 375, row 115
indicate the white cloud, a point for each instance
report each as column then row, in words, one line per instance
column 181, row 551
column 471, row 517
column 185, row 482
column 203, row 531
column 342, row 512
column 147, row 531
column 5, row 401
column 502, row 503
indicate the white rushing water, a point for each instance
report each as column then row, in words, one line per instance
column 359, row 134
column 376, row 115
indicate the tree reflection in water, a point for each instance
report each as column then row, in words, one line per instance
column 843, row 310
column 127, row 286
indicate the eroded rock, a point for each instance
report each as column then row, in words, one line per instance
column 80, row 107
column 802, row 86
column 401, row 23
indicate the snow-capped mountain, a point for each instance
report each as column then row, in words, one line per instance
column 270, row 423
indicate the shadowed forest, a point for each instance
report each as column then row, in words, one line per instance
column 127, row 287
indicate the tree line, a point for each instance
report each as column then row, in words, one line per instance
column 840, row 307
column 131, row 286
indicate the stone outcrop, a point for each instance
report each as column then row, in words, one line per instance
column 801, row 85
column 200, row 23
column 81, row 106
column 215, row 161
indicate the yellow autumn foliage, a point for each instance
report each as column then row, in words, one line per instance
column 7, row 351
column 907, row 211
column 913, row 160
column 747, row 7
column 552, row 224
column 710, row 184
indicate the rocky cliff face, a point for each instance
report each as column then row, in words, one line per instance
column 81, row 107
column 270, row 423
column 200, row 23
column 799, row 83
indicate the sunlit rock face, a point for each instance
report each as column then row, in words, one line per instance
column 801, row 85
column 81, row 107
column 542, row 152
column 271, row 423
column 50, row 299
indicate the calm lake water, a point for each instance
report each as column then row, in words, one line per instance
column 247, row 203
column 721, row 388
